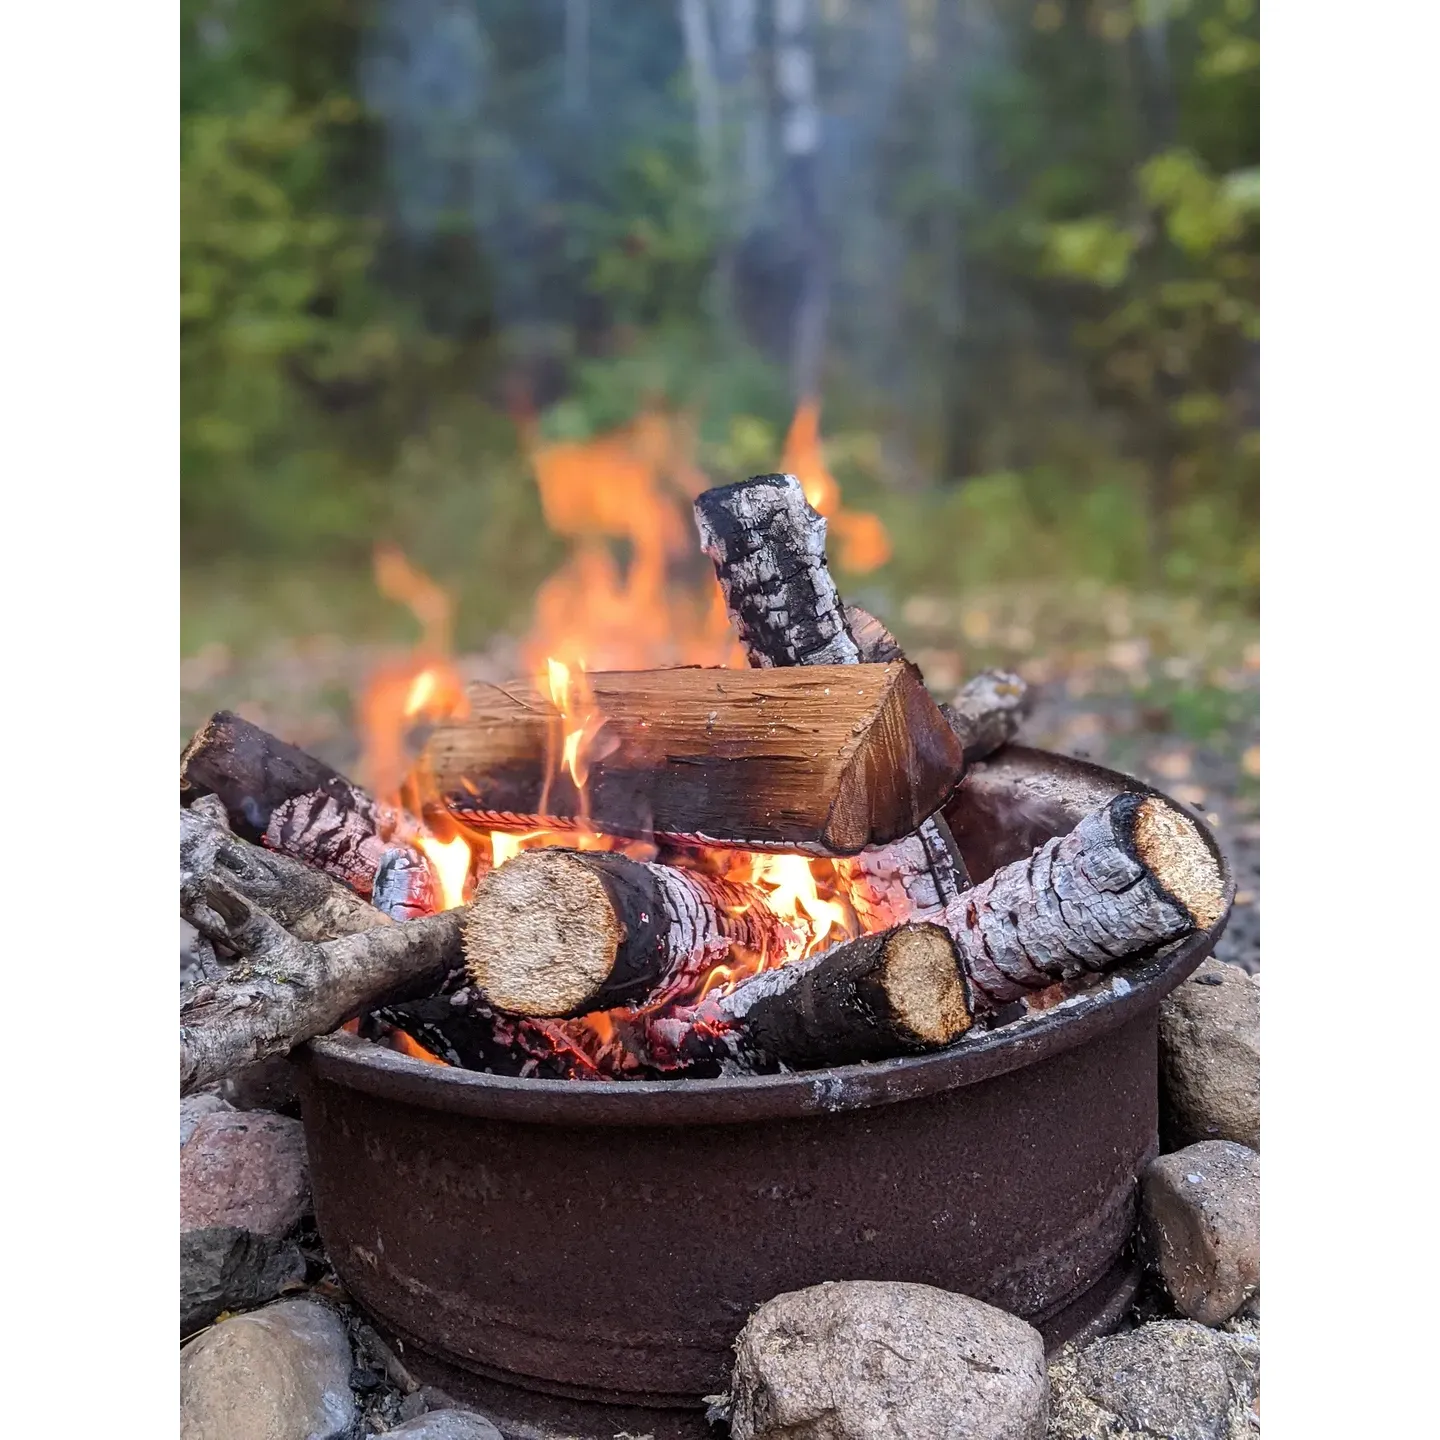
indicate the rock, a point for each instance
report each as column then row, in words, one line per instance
column 244, row 1186
column 193, row 1107
column 448, row 1425
column 282, row 1373
column 244, row 1169
column 869, row 1360
column 1200, row 1220
column 1172, row 1379
column 225, row 1268
column 1210, row 1058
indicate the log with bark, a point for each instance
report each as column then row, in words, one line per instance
column 828, row 760
column 306, row 902
column 283, row 988
column 899, row 992
column 559, row 932
column 274, row 791
column 1130, row 877
column 768, row 549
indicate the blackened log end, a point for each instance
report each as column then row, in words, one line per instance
column 1171, row 846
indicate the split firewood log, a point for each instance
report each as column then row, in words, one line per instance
column 768, row 549
column 306, row 902
column 282, row 990
column 557, row 932
column 985, row 714
column 827, row 760
column 297, row 804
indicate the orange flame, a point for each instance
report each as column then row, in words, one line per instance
column 861, row 537
column 408, row 1045
column 450, row 861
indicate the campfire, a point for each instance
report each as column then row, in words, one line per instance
column 674, row 849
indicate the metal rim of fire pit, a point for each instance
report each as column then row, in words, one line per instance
column 1121, row 993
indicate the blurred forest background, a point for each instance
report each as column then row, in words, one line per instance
column 1011, row 245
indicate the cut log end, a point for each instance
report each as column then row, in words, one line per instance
column 541, row 938
column 1170, row 845
column 924, row 986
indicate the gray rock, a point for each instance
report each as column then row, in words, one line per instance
column 246, row 1170
column 1210, row 1058
column 224, row 1268
column 192, row 1108
column 282, row 1373
column 448, row 1425
column 1169, row 1380
column 869, row 1360
column 1200, row 1221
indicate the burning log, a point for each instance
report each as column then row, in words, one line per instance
column 1130, row 877
column 405, row 887
column 768, row 548
column 828, row 760
column 898, row 992
column 297, row 804
column 285, row 990
column 309, row 904
column 557, row 932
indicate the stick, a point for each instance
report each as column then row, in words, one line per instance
column 305, row 902
column 284, row 991
column 828, row 760
column 557, row 932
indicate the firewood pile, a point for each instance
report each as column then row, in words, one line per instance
column 663, row 873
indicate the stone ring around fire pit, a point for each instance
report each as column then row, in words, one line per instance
column 578, row 1258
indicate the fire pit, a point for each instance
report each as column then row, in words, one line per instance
column 579, row 1257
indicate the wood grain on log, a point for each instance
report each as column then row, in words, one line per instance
column 875, row 643
column 557, row 932
column 1130, row 877
column 284, row 990
column 306, row 902
column 828, row 760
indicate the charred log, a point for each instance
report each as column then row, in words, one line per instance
column 405, row 887
column 557, row 932
column 895, row 993
column 827, row 760
column 1130, row 877
column 284, row 990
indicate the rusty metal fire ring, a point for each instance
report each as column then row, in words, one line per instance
column 603, row 1242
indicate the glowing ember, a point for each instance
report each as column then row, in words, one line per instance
column 407, row 1045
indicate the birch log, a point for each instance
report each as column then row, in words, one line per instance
column 557, row 932
column 1130, row 877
